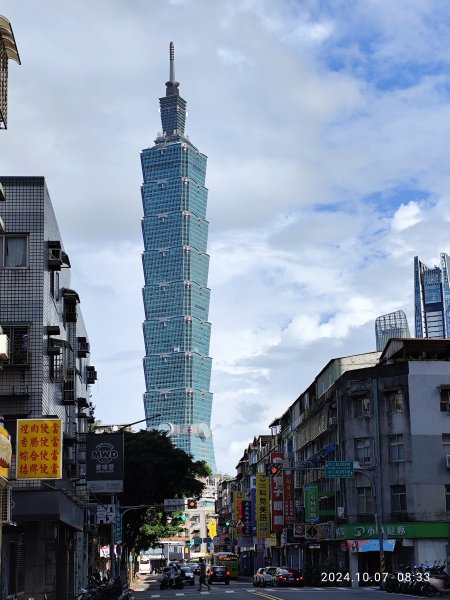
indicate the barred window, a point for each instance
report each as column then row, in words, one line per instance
column 19, row 344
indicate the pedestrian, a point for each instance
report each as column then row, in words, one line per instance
column 202, row 577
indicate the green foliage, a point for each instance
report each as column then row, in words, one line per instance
column 155, row 470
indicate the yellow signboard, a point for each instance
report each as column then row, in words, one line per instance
column 39, row 449
column 262, row 505
column 5, row 453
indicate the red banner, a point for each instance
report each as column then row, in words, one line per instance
column 289, row 497
column 276, row 494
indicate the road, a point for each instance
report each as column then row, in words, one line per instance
column 244, row 590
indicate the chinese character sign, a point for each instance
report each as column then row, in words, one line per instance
column 311, row 494
column 289, row 497
column 39, row 449
column 238, row 497
column 276, row 490
column 262, row 505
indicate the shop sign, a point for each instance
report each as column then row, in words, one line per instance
column 262, row 505
column 104, row 462
column 311, row 495
column 246, row 528
column 39, row 449
column 276, row 493
column 289, row 497
column 5, row 452
column 299, row 530
column 433, row 529
column 314, row 546
column 370, row 545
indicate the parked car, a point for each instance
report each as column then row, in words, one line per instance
column 263, row 576
column 218, row 573
column 195, row 568
column 288, row 577
column 187, row 575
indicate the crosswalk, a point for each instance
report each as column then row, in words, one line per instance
column 253, row 590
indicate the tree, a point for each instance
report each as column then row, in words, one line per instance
column 155, row 470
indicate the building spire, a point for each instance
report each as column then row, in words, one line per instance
column 172, row 62
column 172, row 85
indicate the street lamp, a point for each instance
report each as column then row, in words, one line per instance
column 141, row 421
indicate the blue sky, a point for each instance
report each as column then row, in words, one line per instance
column 326, row 126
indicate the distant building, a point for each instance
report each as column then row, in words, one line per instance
column 432, row 299
column 8, row 51
column 45, row 373
column 177, row 365
column 392, row 325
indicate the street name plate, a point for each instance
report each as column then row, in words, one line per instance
column 339, row 469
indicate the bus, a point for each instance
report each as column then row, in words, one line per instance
column 228, row 560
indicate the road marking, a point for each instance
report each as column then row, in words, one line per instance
column 179, row 594
column 263, row 595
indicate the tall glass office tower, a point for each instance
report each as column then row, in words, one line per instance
column 432, row 299
column 177, row 365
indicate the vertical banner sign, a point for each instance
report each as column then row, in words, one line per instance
column 247, row 517
column 289, row 497
column 104, row 462
column 238, row 497
column 39, row 449
column 311, row 494
column 276, row 489
column 262, row 506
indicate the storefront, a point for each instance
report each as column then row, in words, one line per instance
column 404, row 543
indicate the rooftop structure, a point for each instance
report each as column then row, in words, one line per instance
column 8, row 51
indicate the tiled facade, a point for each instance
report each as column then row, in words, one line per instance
column 177, row 365
column 47, row 374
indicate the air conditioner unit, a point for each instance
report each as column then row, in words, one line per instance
column 4, row 347
column 447, row 461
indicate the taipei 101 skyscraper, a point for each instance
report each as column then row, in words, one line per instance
column 177, row 365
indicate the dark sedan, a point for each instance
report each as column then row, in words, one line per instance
column 188, row 575
column 218, row 573
column 288, row 577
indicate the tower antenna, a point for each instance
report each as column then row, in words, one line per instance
column 172, row 63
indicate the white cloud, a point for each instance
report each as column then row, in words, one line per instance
column 406, row 216
column 327, row 132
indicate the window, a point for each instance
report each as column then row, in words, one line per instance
column 447, row 498
column 13, row 251
column 18, row 344
column 362, row 406
column 445, row 398
column 396, row 448
column 398, row 498
column 362, row 449
column 395, row 401
column 364, row 500
column 445, row 441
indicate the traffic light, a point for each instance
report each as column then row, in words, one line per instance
column 273, row 469
column 192, row 503
column 227, row 523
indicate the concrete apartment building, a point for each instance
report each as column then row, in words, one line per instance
column 46, row 373
column 388, row 413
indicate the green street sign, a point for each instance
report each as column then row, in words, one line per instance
column 339, row 469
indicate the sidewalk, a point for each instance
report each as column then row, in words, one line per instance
column 142, row 583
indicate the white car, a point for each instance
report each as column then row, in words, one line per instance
column 263, row 576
